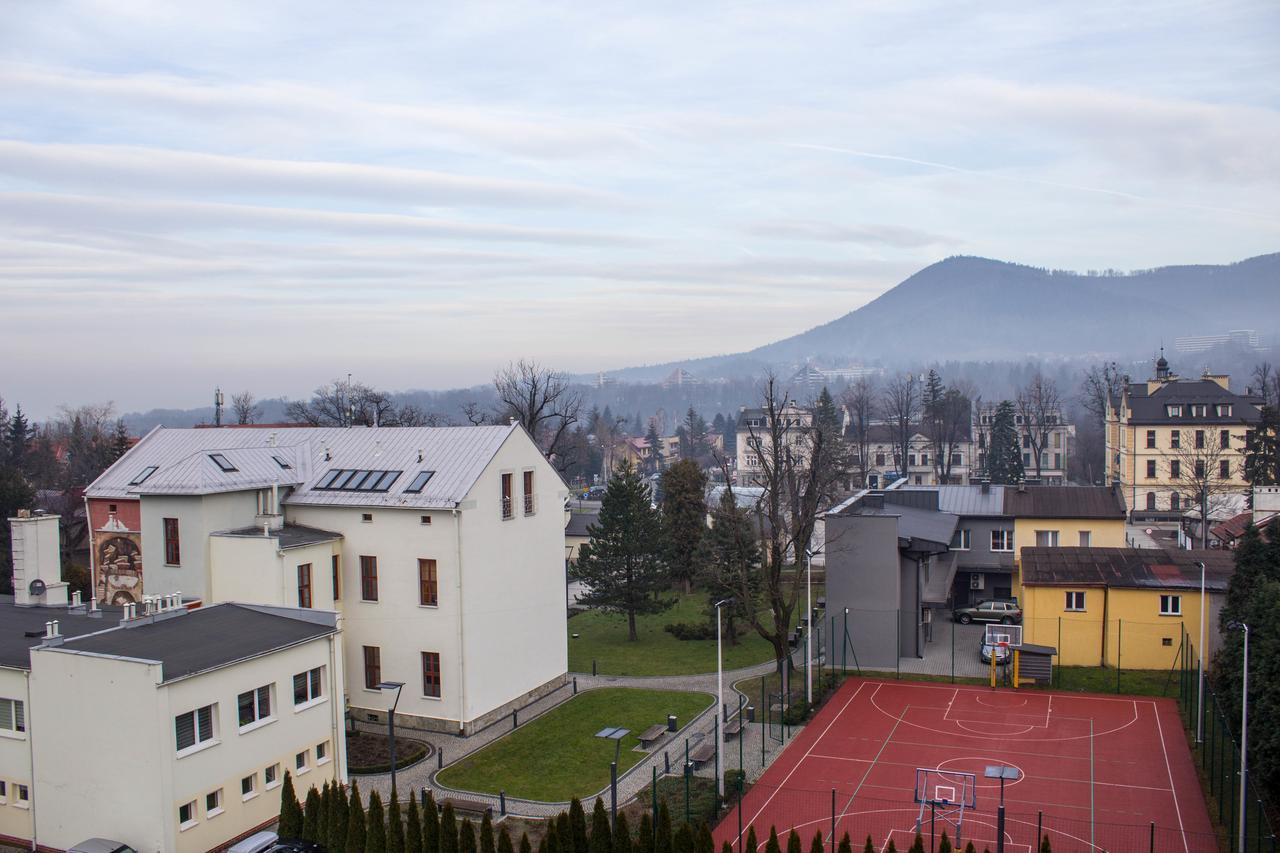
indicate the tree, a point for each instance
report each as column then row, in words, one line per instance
column 1040, row 407
column 684, row 516
column 601, row 833
column 947, row 419
column 653, row 441
column 944, row 843
column 486, row 835
column 1045, row 846
column 543, row 402
column 413, row 842
column 355, row 822
column 1101, row 384
column 621, row 835
column 695, row 444
column 772, row 845
column 662, row 834
column 624, row 564
column 395, row 827
column 1262, row 448
column 644, row 840
column 1201, row 471
column 311, row 816
column 430, row 823
column 870, row 847
column 900, row 408
column 793, row 842
column 245, row 407
column 376, row 825
column 15, row 494
column 753, row 843
column 338, row 813
column 859, row 402
column 1004, row 459
column 731, row 562
column 817, row 845
column 18, row 439
column 703, row 842
column 683, row 840
column 504, row 842
column 448, row 830
column 917, row 846
column 525, row 846
column 291, row 817
column 467, row 837
column 575, row 840
column 344, row 404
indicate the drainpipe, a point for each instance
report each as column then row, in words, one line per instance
column 1105, row 590
column 462, row 682
column 31, row 758
column 93, row 558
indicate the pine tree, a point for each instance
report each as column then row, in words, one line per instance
column 1044, row 845
column 430, row 824
column 684, row 518
column 552, row 838
column 525, row 846
column 564, row 831
column 846, row 844
column 683, row 840
column 413, row 826
column 726, row 847
column 290, row 811
column 576, row 842
column 486, row 835
column 504, row 841
column 969, row 848
column 703, row 842
column 621, row 834
column 467, row 837
column 448, row 830
column 338, row 820
column 917, row 846
column 1262, row 449
column 326, row 812
column 1004, row 456
column 654, row 441
column 892, row 848
column 19, row 439
column 375, row 825
column 311, row 816
column 601, row 834
column 355, row 822
column 644, row 839
column 662, row 836
column 772, row 845
column 870, row 846
column 395, row 827
column 753, row 843
column 944, row 844
column 623, row 565
column 793, row 842
column 817, row 845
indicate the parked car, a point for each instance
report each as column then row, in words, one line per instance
column 991, row 610
column 985, row 650
column 294, row 845
column 259, row 842
column 101, row 845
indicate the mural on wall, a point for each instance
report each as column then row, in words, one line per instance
column 118, row 558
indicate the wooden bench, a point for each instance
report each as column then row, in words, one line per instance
column 733, row 727
column 651, row 735
column 702, row 753
column 475, row 807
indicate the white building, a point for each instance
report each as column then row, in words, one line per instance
column 442, row 547
column 167, row 730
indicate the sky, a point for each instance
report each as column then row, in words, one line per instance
column 268, row 196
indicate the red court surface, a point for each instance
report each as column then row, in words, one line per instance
column 1096, row 771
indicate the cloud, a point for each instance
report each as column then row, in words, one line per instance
column 895, row 236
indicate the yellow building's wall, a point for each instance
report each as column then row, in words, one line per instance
column 1103, row 533
column 1076, row 635
column 1134, row 455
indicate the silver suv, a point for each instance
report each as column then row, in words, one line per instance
column 1005, row 612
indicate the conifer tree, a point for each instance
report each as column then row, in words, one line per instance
column 525, row 845
column 467, row 837
column 917, row 846
column 564, row 832
column 621, row 834
column 395, row 826
column 430, row 824
column 624, row 564
column 752, row 843
column 703, row 842
column 601, row 834
column 322, row 825
column 375, row 825
column 487, row 841
column 817, row 845
column 504, row 841
column 1044, row 845
column 683, row 840
column 662, row 841
column 355, row 822
column 726, row 847
column 311, row 816
column 1004, row 455
column 543, row 846
column 730, row 563
column 969, row 848
column 338, row 819
column 944, row 844
column 644, row 836
column 577, row 840
column 870, row 846
column 684, row 518
column 552, row 838
column 448, row 830
column 291, row 816
column 793, row 842
column 413, row 826
column 772, row 845
column 893, row 848
column 846, row 844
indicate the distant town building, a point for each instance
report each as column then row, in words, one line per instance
column 1200, row 343
column 680, row 378
column 755, row 438
column 1055, row 449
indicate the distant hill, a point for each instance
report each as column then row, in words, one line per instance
column 971, row 309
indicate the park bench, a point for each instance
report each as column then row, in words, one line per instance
column 702, row 753
column 651, row 735
column 475, row 807
column 733, row 727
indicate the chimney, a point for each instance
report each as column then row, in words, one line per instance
column 37, row 556
column 986, row 488
column 271, row 440
column 75, row 600
column 1022, row 487
column 327, row 454
column 419, row 454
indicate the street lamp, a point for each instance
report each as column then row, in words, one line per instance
column 391, row 725
column 720, row 698
column 1200, row 667
column 616, row 735
column 808, row 626
column 1244, row 729
column 1001, row 772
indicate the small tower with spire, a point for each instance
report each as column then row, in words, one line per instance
column 1162, row 367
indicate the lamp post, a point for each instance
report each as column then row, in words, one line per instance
column 1244, row 731
column 720, row 698
column 808, row 626
column 1200, row 665
column 391, row 724
column 616, row 735
column 1001, row 772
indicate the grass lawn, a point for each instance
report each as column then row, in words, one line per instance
column 1096, row 679
column 603, row 637
column 557, row 756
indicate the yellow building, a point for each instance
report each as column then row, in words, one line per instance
column 1127, row 607
column 1169, row 437
column 1062, row 517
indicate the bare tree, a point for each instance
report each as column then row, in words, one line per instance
column 1040, row 407
column 344, row 404
column 900, row 407
column 1101, row 383
column 859, row 402
column 1266, row 383
column 246, row 408
column 951, row 423
column 543, row 401
column 1201, row 469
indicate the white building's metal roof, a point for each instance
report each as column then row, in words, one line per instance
column 184, row 462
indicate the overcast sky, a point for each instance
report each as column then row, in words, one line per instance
column 268, row 195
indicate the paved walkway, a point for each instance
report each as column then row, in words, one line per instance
column 668, row 753
column 938, row 658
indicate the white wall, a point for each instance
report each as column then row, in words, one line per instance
column 15, row 759
column 252, row 569
column 198, row 516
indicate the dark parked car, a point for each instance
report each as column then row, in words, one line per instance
column 1005, row 612
column 985, row 650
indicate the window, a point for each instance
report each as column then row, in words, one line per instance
column 1026, row 442
column 957, row 459
column 213, row 803
column 1224, row 439
column 1175, row 501
column 254, row 705
column 1026, row 460
column 428, row 587
column 1173, row 411
column 1199, row 410
column 924, row 458
column 249, row 786
column 300, row 761
column 194, row 728
column 879, row 458
column 172, row 548
column 1151, row 500
column 346, row 480
column 911, row 459
column 337, row 577
column 1175, row 469
column 960, row 540
column 431, row 674
column 1200, row 469
column 1046, row 539
column 271, row 776
column 322, row 752
column 223, row 462
column 366, row 517
column 1086, row 538
column 308, row 686
column 528, row 492
column 1224, row 469
column 143, row 475
column 1199, row 439
column 426, row 519
column 1170, row 605
column 23, row 795
column 372, row 667
column 304, row 585
column 369, row 578
column 187, row 815
column 419, row 482
column 507, row 511
column 282, row 462
column 1075, row 601
column 1175, row 438
column 1223, row 409
column 1002, row 540
column 4, row 792
column 1151, row 469
column 13, row 717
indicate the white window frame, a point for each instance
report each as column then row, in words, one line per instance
column 299, row 768
column 1086, row 538
column 194, row 806
column 966, row 539
column 323, row 753
column 1005, row 538
column 1075, row 601
column 217, row 809
column 253, row 787
column 21, row 795
column 199, row 745
column 269, row 784
column 1051, row 535
column 1170, row 604
column 4, row 792
column 258, row 720
column 17, row 717
column 316, row 682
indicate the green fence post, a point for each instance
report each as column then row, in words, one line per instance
column 844, row 645
column 742, row 735
column 764, row 718
column 1056, row 673
column 1235, row 771
column 953, row 652
column 1119, row 641
column 655, row 801
column 688, row 772
column 897, row 633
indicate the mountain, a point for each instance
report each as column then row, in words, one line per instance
column 973, row 309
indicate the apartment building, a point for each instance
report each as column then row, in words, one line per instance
column 755, row 438
column 1055, row 444
column 443, row 548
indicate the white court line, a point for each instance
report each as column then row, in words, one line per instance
column 816, row 741
column 875, row 704
column 920, row 685
column 1169, row 770
column 880, row 752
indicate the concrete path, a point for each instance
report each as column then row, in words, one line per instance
column 937, row 658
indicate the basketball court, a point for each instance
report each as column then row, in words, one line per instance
column 1090, row 772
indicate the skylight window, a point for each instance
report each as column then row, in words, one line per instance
column 282, row 463
column 419, row 482
column 345, row 480
column 327, row 480
column 143, row 475
column 223, row 462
